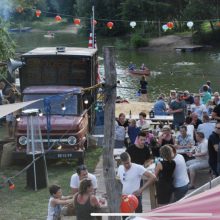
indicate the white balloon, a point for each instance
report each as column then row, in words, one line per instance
column 190, row 24
column 165, row 27
column 132, row 24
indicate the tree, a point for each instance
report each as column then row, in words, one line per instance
column 7, row 45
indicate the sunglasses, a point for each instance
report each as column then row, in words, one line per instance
column 124, row 175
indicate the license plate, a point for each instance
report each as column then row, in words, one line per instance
column 67, row 155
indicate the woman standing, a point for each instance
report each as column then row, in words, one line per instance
column 143, row 90
column 85, row 202
column 164, row 172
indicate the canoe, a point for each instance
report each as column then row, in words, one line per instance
column 145, row 72
column 49, row 35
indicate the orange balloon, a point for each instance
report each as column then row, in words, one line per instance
column 110, row 24
column 58, row 18
column 77, row 21
column 170, row 25
column 38, row 13
column 128, row 203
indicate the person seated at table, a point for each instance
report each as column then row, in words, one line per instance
column 195, row 120
column 131, row 66
column 148, row 133
column 206, row 127
column 121, row 126
column 142, row 120
column 85, row 202
column 216, row 99
column 82, row 173
column 190, row 127
column 139, row 152
column 201, row 158
column 133, row 131
column 164, row 173
column 166, row 137
column 184, row 140
column 160, row 106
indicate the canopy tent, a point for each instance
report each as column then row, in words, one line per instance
column 205, row 203
column 9, row 108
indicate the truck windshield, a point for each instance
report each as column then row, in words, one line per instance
column 59, row 105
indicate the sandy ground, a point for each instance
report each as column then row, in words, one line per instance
column 134, row 107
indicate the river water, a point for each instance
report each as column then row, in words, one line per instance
column 169, row 69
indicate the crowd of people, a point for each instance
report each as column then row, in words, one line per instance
column 189, row 144
column 178, row 151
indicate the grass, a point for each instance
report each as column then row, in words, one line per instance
column 22, row 203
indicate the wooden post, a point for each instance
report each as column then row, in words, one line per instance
column 113, row 187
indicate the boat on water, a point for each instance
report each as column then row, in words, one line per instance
column 52, row 35
column 139, row 72
column 22, row 29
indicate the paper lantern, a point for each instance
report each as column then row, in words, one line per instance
column 165, row 27
column 77, row 21
column 132, row 24
column 94, row 22
column 110, row 24
column 170, row 25
column 189, row 24
column 58, row 18
column 128, row 203
column 38, row 13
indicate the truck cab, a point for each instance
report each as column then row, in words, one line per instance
column 58, row 76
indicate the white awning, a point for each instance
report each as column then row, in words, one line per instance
column 9, row 108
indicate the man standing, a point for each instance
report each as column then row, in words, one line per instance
column 130, row 175
column 213, row 144
column 139, row 152
column 82, row 173
column 177, row 108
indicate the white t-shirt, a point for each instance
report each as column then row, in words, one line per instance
column 144, row 123
column 190, row 131
column 207, row 128
column 180, row 176
column 202, row 148
column 200, row 109
column 75, row 181
column 131, row 178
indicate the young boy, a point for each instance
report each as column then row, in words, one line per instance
column 56, row 201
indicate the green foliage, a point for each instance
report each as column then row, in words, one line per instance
column 7, row 45
column 23, row 203
column 121, row 44
column 138, row 41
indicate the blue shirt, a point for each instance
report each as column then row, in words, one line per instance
column 160, row 107
column 132, row 133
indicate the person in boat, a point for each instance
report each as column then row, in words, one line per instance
column 143, row 67
column 131, row 66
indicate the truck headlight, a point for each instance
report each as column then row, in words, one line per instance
column 71, row 140
column 22, row 140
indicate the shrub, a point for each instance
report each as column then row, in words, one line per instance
column 138, row 41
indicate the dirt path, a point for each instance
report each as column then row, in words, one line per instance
column 168, row 42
